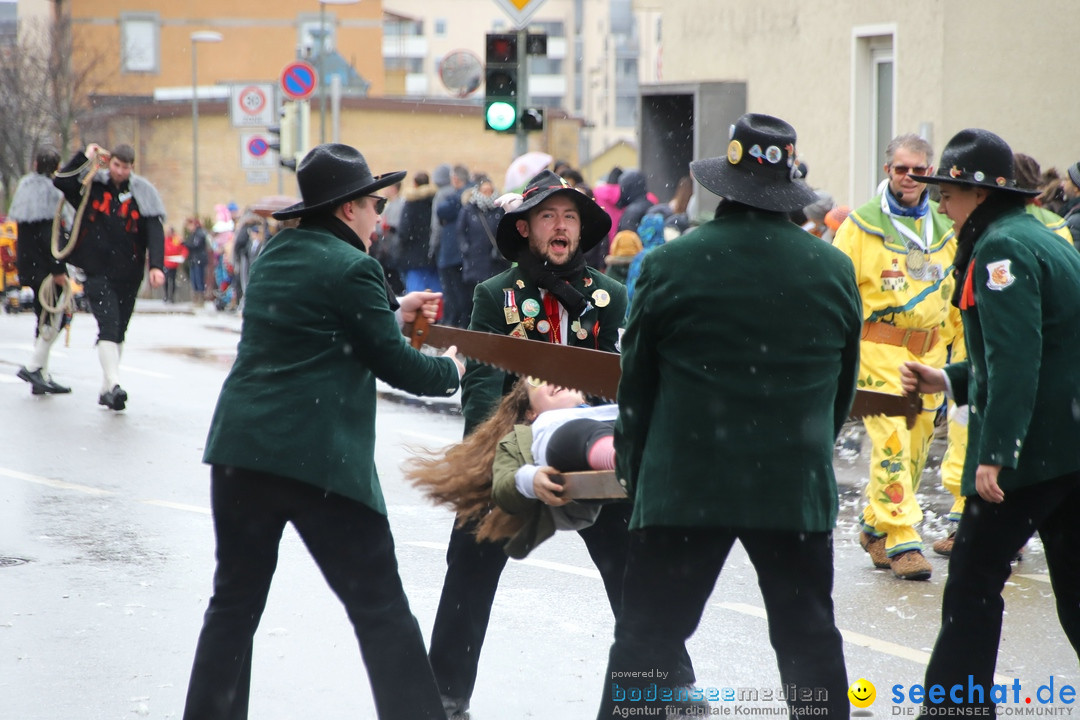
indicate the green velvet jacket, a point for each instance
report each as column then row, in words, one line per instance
column 1021, row 379
column 739, row 365
column 483, row 386
column 300, row 398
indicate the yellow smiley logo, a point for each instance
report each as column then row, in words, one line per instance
column 862, row 693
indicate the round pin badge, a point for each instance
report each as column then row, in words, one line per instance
column 582, row 334
column 734, row 152
column 543, row 326
column 530, row 307
column 773, row 154
column 979, row 176
column 601, row 298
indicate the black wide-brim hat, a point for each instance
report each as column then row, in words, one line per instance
column 977, row 158
column 595, row 223
column 761, row 168
column 332, row 174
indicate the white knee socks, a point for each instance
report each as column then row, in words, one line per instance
column 109, row 355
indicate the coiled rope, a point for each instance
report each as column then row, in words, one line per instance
column 58, row 252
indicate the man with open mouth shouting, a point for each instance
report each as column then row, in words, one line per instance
column 549, row 295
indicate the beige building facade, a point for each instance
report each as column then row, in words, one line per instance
column 850, row 74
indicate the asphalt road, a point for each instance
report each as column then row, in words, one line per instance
column 106, row 556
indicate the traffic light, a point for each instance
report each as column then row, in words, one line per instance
column 501, row 83
column 285, row 134
column 303, row 131
column 532, row 119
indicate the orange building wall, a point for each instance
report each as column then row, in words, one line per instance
column 259, row 38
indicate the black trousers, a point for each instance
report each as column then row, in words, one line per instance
column 971, row 609
column 457, row 299
column 112, row 302
column 472, row 577
column 353, row 547
column 670, row 574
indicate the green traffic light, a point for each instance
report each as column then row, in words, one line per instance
column 501, row 116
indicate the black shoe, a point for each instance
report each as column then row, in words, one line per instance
column 39, row 385
column 114, row 399
column 56, row 388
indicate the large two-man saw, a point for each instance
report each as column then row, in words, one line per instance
column 595, row 372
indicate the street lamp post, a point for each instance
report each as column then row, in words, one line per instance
column 197, row 37
column 322, row 62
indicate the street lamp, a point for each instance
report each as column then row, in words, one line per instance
column 322, row 61
column 205, row 36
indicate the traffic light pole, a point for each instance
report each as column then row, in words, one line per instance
column 521, row 138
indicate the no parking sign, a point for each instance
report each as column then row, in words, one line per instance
column 299, row 80
column 255, row 153
column 252, row 105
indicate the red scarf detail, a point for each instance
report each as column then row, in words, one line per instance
column 554, row 316
column 967, row 297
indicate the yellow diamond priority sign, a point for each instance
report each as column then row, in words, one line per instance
column 520, row 11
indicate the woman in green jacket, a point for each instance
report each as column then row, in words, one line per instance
column 1018, row 290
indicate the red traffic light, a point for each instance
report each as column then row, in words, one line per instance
column 502, row 48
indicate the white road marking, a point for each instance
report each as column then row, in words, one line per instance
column 50, row 482
column 178, row 506
column 148, row 373
column 1032, row 576
column 856, row 638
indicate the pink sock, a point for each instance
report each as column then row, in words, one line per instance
column 602, row 453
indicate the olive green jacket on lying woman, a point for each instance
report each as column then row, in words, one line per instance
column 537, row 522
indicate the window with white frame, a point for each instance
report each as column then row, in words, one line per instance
column 140, row 43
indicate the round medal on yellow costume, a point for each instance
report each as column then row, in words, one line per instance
column 601, row 298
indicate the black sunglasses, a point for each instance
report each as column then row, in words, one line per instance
column 380, row 203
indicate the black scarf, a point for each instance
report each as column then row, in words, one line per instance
column 337, row 227
column 993, row 207
column 556, row 279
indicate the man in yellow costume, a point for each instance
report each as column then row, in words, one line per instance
column 903, row 254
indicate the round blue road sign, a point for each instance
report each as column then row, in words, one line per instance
column 298, row 80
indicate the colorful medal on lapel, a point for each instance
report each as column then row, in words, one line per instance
column 530, row 307
column 510, row 309
column 601, row 298
column 519, row 331
column 520, row 284
column 529, row 323
column 543, row 326
column 582, row 334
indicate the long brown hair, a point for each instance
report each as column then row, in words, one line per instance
column 460, row 477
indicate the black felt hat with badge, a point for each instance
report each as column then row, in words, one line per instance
column 595, row 223
column 977, row 158
column 761, row 168
column 332, row 174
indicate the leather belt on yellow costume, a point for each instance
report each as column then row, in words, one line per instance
column 916, row 340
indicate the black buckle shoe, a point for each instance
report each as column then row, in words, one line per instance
column 39, row 385
column 115, row 399
column 56, row 388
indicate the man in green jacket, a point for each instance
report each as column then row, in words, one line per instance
column 292, row 440
column 550, row 295
column 1018, row 290
column 739, row 366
